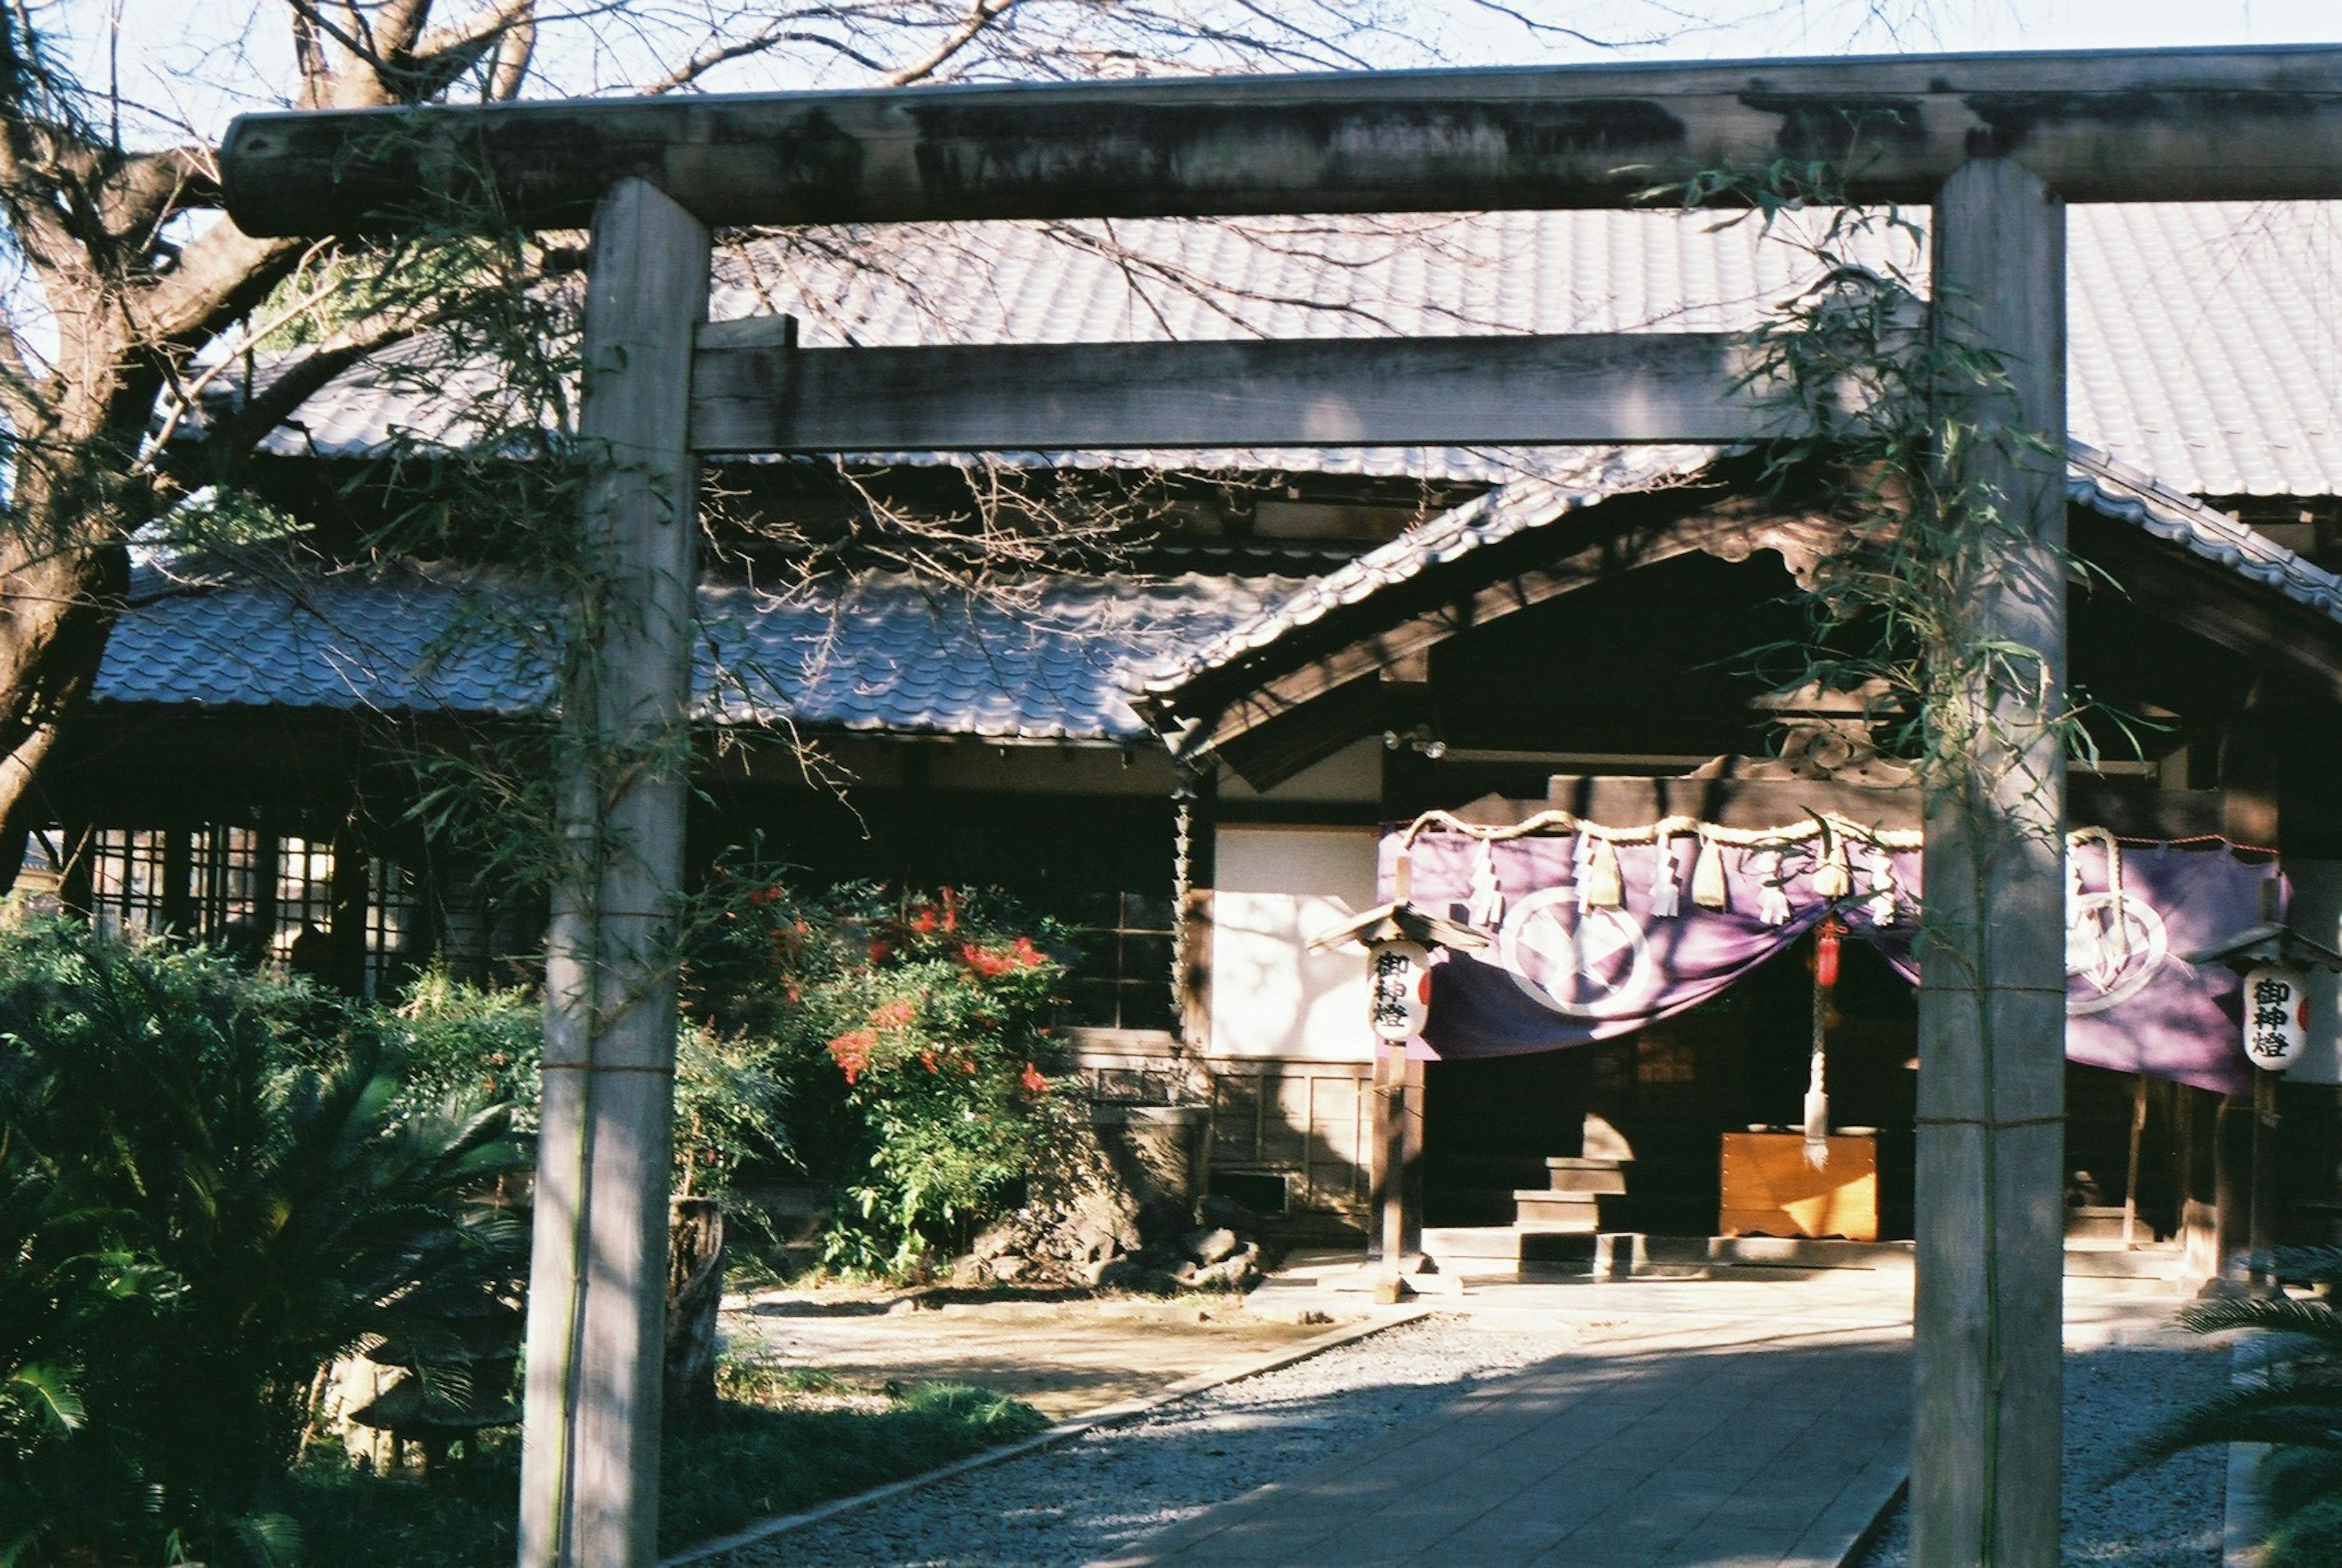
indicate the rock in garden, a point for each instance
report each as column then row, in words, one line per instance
column 1212, row 1245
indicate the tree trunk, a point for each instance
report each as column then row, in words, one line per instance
column 694, row 1293
column 58, row 606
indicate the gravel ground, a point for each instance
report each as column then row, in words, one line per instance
column 2167, row 1517
column 1112, row 1486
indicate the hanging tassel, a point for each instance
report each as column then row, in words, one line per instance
column 1486, row 904
column 1666, row 900
column 1772, row 897
column 1826, row 945
column 1603, row 889
column 1707, row 888
column 1816, row 1113
column 1832, row 881
column 1882, row 888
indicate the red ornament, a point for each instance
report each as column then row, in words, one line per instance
column 1825, row 942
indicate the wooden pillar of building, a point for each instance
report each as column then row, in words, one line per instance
column 589, row 1463
column 1396, row 1200
column 1992, row 1002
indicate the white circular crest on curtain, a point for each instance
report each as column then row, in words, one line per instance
column 2115, row 942
column 1597, row 964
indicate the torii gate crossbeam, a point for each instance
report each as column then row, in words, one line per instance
column 1996, row 142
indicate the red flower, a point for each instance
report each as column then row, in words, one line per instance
column 894, row 1015
column 927, row 1058
column 851, row 1052
column 1033, row 1080
column 879, row 948
column 986, row 961
column 1028, row 956
column 951, row 908
column 924, row 923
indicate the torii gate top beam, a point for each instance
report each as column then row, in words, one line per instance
column 2181, row 125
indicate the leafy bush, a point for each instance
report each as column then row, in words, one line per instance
column 729, row 1088
column 207, row 1192
column 917, row 1035
column 2296, row 1410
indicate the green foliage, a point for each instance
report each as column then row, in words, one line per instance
column 776, row 1449
column 208, row 1191
column 486, row 1042
column 916, row 1030
column 2296, row 1409
column 784, row 1440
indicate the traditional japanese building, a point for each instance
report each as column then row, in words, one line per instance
column 1528, row 674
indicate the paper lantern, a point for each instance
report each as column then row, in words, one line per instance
column 2277, row 1016
column 1400, row 1000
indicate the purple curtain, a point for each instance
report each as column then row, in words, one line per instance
column 1563, row 970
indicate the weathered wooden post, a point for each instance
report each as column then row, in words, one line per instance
column 1992, row 1002
column 597, row 1278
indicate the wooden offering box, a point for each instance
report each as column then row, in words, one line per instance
column 1769, row 1190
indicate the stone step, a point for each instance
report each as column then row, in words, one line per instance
column 2094, row 1222
column 1573, row 1175
column 1506, row 1249
column 1541, row 1209
column 1494, row 1242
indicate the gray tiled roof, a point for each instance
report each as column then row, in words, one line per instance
column 2206, row 340
column 1040, row 660
column 1509, row 509
column 2094, row 480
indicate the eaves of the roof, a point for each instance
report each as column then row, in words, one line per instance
column 1046, row 659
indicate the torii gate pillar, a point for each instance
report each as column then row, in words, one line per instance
column 1992, row 1001
column 597, row 1269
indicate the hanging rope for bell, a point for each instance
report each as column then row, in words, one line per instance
column 1826, row 936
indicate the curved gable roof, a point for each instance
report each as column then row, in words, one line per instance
column 1371, row 594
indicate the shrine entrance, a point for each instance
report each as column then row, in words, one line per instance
column 1669, row 1096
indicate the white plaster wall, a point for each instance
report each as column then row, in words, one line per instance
column 1275, row 889
column 1353, row 774
column 2317, row 914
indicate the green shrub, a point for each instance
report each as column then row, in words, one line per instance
column 917, row 1035
column 207, row 1193
column 729, row 1087
column 2296, row 1409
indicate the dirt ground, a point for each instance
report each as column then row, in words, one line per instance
column 1062, row 1356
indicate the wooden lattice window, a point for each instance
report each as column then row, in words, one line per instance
column 128, row 878
column 1122, row 972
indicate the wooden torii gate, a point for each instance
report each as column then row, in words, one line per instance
column 1996, row 142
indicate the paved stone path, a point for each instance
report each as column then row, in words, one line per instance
column 1758, row 1440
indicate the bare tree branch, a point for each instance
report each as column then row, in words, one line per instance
column 764, row 42
column 980, row 16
